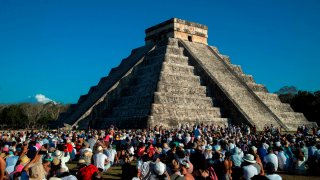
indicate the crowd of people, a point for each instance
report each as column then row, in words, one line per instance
column 200, row 151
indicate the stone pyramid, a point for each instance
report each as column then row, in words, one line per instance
column 175, row 79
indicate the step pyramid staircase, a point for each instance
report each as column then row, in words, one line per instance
column 176, row 78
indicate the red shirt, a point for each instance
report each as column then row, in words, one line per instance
column 69, row 148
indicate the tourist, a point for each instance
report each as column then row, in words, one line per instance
column 175, row 168
column 258, row 164
column 227, row 167
column 282, row 159
column 249, row 170
column 299, row 163
column 111, row 154
column 63, row 157
column 271, row 157
column 2, row 168
column 270, row 168
column 11, row 161
column 101, row 160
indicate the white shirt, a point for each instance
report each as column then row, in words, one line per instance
column 271, row 158
column 274, row 177
column 99, row 160
column 249, row 171
column 282, row 160
column 64, row 160
column 111, row 153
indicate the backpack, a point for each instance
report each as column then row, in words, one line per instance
column 87, row 172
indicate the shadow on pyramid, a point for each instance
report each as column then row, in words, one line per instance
column 177, row 79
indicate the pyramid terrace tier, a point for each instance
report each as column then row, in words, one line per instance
column 161, row 98
column 185, row 111
column 170, row 122
column 182, row 89
column 181, row 78
column 170, row 58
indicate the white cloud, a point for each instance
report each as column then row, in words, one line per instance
column 43, row 99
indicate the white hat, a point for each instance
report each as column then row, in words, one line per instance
column 58, row 153
column 159, row 168
column 278, row 144
column 254, row 148
column 217, row 147
column 249, row 158
column 208, row 147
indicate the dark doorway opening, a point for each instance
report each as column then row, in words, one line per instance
column 190, row 38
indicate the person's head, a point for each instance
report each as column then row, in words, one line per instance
column 175, row 166
column 227, row 155
column 99, row 149
column 270, row 168
column 46, row 165
column 159, row 168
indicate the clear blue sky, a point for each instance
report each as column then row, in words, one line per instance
column 59, row 48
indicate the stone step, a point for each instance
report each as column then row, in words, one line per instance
column 166, row 50
column 236, row 68
column 135, row 100
column 169, row 41
column 257, row 87
column 183, row 96
column 176, row 59
column 186, row 100
column 182, row 89
column 135, row 122
column 246, row 78
column 141, row 89
column 294, row 126
column 278, row 106
column 185, row 111
column 181, row 78
column 291, row 115
column 268, row 96
column 167, row 121
column 169, row 58
column 178, row 69
column 128, row 111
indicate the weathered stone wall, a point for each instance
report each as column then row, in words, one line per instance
column 177, row 28
column 96, row 94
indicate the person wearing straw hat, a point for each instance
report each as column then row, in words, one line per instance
column 248, row 169
column 101, row 160
column 64, row 158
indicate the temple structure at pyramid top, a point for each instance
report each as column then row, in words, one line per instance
column 175, row 79
column 177, row 28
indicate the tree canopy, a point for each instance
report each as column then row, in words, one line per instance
column 302, row 101
column 28, row 115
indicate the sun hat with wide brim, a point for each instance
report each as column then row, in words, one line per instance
column 58, row 153
column 159, row 168
column 208, row 147
column 3, row 155
column 249, row 158
column 24, row 159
